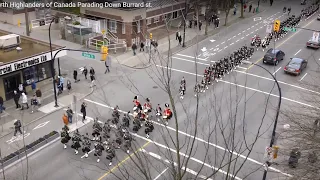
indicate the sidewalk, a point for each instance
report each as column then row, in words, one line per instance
column 193, row 35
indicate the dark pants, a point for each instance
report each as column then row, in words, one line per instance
column 84, row 114
column 17, row 130
column 107, row 69
column 75, row 78
column 17, row 103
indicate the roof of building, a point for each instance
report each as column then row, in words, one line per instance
column 29, row 47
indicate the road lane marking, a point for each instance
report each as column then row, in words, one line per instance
column 192, row 61
column 191, row 57
column 160, row 173
column 41, row 125
column 244, row 31
column 248, row 29
column 175, row 164
column 257, row 90
column 218, row 45
column 229, row 39
column 238, row 40
column 223, row 42
column 276, row 71
column 231, row 44
column 239, row 34
column 233, row 36
column 303, row 77
column 297, row 52
column 242, row 38
column 191, row 136
column 225, row 47
column 247, row 34
column 282, row 43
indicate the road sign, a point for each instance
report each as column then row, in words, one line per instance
column 269, row 29
column 88, row 55
column 289, row 29
column 315, row 36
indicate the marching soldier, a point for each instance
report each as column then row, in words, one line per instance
column 98, row 148
column 149, row 128
column 127, row 141
column 76, row 139
column 65, row 137
column 86, row 145
column 110, row 154
column 126, row 120
column 167, row 114
column 96, row 129
column 182, row 90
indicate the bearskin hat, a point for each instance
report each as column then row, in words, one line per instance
column 166, row 105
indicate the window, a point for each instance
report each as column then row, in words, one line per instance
column 29, row 74
column 156, row 19
column 138, row 26
column 37, row 73
column 113, row 26
column 174, row 15
column 148, row 21
column 123, row 28
column 44, row 71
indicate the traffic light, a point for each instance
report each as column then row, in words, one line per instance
column 150, row 35
column 276, row 26
column 104, row 53
column 275, row 152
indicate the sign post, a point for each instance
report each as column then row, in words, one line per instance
column 290, row 29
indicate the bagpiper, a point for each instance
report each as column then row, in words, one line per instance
column 76, row 139
column 86, row 143
column 65, row 137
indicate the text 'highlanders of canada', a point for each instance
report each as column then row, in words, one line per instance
column 102, row 5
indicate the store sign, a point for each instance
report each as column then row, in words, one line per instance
column 16, row 66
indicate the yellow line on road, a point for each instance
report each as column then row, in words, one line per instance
column 282, row 43
column 123, row 161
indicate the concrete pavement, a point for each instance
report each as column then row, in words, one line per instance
column 231, row 89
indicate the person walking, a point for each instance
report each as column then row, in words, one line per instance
column 16, row 97
column 177, row 35
column 141, row 46
column 289, row 10
column 69, row 86
column 65, row 119
column 17, row 127
column 92, row 71
column 76, row 139
column 250, row 8
column 69, row 114
column 75, row 75
column 244, row 7
column 93, row 79
column 86, row 143
column 33, row 86
column 38, row 95
column 65, row 137
column 61, row 79
column 200, row 25
column 180, row 40
column 83, row 110
column 34, row 103
column 107, row 64
column 155, row 45
column 1, row 105
column 85, row 72
column 24, row 101
column 134, row 48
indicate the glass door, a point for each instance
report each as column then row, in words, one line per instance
column 11, row 83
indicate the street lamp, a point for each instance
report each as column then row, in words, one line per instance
column 184, row 24
column 277, row 114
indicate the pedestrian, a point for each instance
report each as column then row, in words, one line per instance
column 33, row 86
column 17, row 127
column 93, row 81
column 155, row 45
column 149, row 128
column 250, row 7
column 75, row 75
column 244, row 7
column 76, row 139
column 127, row 141
column 85, row 72
column 69, row 114
column 134, row 48
column 86, row 143
column 69, row 86
column 83, row 111
column 180, row 40
column 24, row 101
column 235, row 9
column 200, row 25
column 16, row 97
column 20, row 88
column 110, row 154
column 38, row 95
column 61, row 82
column 106, row 129
column 97, row 129
column 218, row 22
column 107, row 63
column 34, row 102
column 65, row 119
column 1, row 105
column 92, row 71
column 98, row 148
column 289, row 10
column 65, row 136
column 178, row 35
column 141, row 46
column 271, row 2
column 195, row 23
column 190, row 23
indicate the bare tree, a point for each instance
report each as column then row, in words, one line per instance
column 227, row 5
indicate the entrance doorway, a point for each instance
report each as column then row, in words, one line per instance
column 11, row 83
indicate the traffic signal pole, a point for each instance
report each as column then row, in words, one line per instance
column 150, row 47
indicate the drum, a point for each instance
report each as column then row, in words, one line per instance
column 145, row 110
column 164, row 117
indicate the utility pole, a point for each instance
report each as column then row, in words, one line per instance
column 184, row 24
column 26, row 15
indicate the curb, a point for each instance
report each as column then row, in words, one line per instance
column 134, row 67
column 209, row 35
column 48, row 114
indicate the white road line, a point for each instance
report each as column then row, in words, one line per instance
column 161, row 173
column 257, row 90
column 231, row 44
column 192, row 61
column 185, row 155
column 223, row 42
column 234, row 36
column 191, row 136
column 248, row 29
column 175, row 164
column 229, row 39
column 303, row 77
column 225, row 47
column 252, row 26
column 297, row 52
column 217, row 45
column 244, row 31
column 238, row 40
column 211, row 48
column 276, row 71
column 191, row 57
column 239, row 34
column 220, row 50
column 242, row 67
column 242, row 38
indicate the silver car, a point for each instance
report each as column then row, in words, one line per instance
column 313, row 44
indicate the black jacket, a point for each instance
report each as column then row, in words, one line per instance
column 16, row 97
column 1, row 100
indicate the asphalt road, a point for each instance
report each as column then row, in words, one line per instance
column 229, row 112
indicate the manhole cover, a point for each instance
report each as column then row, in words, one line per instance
column 155, row 87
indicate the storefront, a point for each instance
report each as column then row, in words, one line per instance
column 23, row 71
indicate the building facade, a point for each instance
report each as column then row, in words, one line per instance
column 133, row 24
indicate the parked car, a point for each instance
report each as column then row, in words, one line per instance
column 295, row 66
column 313, row 44
column 273, row 56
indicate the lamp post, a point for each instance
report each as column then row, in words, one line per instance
column 277, row 114
column 184, row 24
column 53, row 19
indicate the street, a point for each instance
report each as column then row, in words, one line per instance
column 223, row 133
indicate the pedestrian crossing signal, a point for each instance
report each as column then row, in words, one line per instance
column 104, row 53
column 276, row 26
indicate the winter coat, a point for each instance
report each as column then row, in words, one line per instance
column 65, row 119
column 24, row 98
column 1, row 100
column 38, row 93
column 83, row 109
